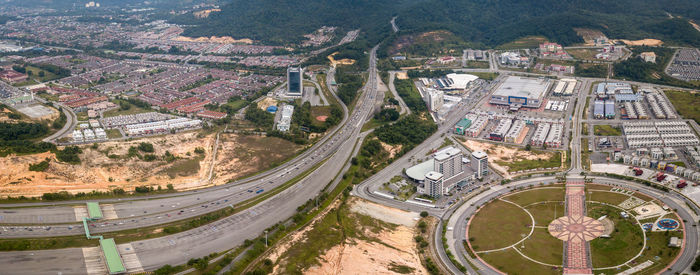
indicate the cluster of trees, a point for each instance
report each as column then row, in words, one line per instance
column 591, row 71
column 410, row 96
column 348, row 84
column 41, row 166
column 696, row 265
column 428, row 73
column 634, row 68
column 70, row 154
column 387, row 114
column 260, row 118
column 18, row 138
column 408, row 131
column 60, row 121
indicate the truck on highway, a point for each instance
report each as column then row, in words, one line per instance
column 259, row 191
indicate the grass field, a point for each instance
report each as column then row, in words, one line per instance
column 477, row 65
column 584, row 54
column 542, row 239
column 113, row 133
column 686, row 104
column 554, row 160
column 606, row 130
column 584, row 126
column 486, row 76
column 524, row 43
column 510, row 262
column 537, row 195
column 606, row 197
column 131, row 111
column 497, row 225
column 544, row 213
column 624, row 243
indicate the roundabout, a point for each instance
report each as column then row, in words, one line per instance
column 523, row 231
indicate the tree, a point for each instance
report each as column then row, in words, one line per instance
column 424, row 214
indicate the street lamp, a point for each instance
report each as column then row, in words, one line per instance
column 265, row 238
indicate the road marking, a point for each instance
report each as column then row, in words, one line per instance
column 80, row 213
column 108, row 211
column 130, row 259
column 93, row 261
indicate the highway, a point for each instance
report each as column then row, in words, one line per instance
column 223, row 234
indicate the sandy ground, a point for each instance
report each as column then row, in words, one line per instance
column 501, row 153
column 401, row 75
column 236, row 158
column 589, row 35
column 393, row 150
column 98, row 172
column 363, row 257
column 643, row 42
column 344, row 61
column 215, row 39
column 267, row 102
column 695, row 25
column 205, row 13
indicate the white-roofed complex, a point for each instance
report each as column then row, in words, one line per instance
column 286, row 118
column 555, row 135
column 660, row 133
column 517, row 132
column 518, row 92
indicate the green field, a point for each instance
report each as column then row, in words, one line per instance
column 528, row 197
column 606, row 130
column 542, row 239
column 477, row 65
column 686, row 104
column 510, row 262
column 498, row 225
column 131, row 111
column 544, row 213
column 584, row 54
column 624, row 242
column 606, row 197
column 113, row 133
column 554, row 160
column 486, row 76
column 524, row 43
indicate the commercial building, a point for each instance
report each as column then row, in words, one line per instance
column 613, row 88
column 661, row 133
column 518, row 92
column 540, row 135
column 286, row 118
column 295, row 81
column 436, row 98
column 447, row 168
column 648, row 57
column 501, row 129
column 477, row 126
column 517, row 132
column 462, row 126
column 480, row 164
column 555, row 135
column 599, row 109
column 12, row 77
column 513, row 59
column 459, row 81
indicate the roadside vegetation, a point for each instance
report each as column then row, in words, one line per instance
column 606, row 130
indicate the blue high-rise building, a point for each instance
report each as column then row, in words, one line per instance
column 295, row 81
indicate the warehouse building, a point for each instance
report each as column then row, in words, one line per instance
column 518, row 92
column 599, row 109
column 610, row 109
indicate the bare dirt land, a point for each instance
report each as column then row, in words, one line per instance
column 379, row 240
column 111, row 166
column 267, row 102
column 643, row 42
column 99, row 171
column 499, row 153
column 589, row 35
column 240, row 155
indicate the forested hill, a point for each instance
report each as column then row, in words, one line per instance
column 494, row 22
column 488, row 22
column 283, row 21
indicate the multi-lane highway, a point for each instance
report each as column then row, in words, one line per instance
column 217, row 236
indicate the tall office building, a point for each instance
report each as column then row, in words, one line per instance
column 295, row 81
column 480, row 164
column 448, row 162
column 434, row 184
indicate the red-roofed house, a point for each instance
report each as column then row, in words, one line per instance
column 206, row 114
column 13, row 77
